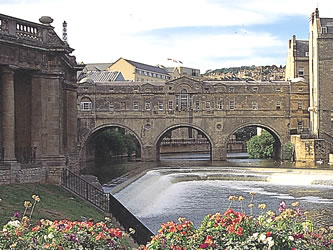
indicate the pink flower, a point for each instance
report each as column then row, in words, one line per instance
column 204, row 245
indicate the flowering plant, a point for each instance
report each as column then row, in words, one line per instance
column 288, row 228
column 64, row 234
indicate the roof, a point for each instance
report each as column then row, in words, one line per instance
column 327, row 22
column 147, row 67
column 96, row 66
column 102, row 76
column 302, row 46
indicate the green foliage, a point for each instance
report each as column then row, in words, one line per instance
column 288, row 152
column 245, row 134
column 112, row 142
column 261, row 147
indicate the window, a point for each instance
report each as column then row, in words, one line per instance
column 232, row 104
column 323, row 30
column 85, row 104
column 135, row 105
column 299, row 105
column 183, row 99
column 278, row 89
column 147, row 105
column 160, row 106
column 278, row 105
column 170, row 105
column 177, row 101
column 111, row 107
column 220, row 105
column 307, row 53
column 300, row 89
column 207, row 105
column 197, row 105
column 123, row 105
column 255, row 105
column 231, row 89
column 299, row 125
column 301, row 71
column 255, row 89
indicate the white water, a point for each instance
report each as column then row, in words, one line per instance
column 166, row 194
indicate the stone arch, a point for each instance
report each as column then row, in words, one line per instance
column 160, row 137
column 276, row 135
column 93, row 132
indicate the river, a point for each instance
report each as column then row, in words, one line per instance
column 192, row 187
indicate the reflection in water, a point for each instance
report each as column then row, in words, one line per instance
column 192, row 189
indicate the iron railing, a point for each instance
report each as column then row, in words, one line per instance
column 85, row 190
column 107, row 203
column 26, row 154
column 2, row 154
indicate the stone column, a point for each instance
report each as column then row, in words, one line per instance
column 8, row 109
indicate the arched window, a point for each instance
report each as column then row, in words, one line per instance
column 183, row 99
column 85, row 104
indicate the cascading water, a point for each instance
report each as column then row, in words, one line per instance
column 168, row 193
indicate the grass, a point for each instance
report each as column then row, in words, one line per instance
column 56, row 203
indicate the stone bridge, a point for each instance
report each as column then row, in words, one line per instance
column 215, row 109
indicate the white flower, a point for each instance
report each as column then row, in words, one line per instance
column 50, row 236
column 290, row 237
column 14, row 223
column 255, row 235
column 271, row 242
column 262, row 237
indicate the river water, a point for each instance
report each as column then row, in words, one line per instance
column 192, row 188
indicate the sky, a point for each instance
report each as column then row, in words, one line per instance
column 202, row 34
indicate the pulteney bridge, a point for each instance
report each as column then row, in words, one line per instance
column 216, row 109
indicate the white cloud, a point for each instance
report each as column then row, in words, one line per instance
column 104, row 30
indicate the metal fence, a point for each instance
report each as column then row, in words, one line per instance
column 85, row 190
column 108, row 203
column 2, row 154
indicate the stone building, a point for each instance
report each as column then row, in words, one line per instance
column 321, row 70
column 298, row 59
column 38, row 113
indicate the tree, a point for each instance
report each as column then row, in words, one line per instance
column 112, row 142
column 261, row 147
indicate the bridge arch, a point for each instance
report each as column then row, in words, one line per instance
column 85, row 148
column 158, row 140
column 276, row 135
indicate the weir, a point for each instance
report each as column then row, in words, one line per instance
column 168, row 193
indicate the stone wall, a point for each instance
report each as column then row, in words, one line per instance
column 39, row 174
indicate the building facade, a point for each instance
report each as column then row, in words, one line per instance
column 38, row 113
column 140, row 72
column 298, row 59
column 320, row 75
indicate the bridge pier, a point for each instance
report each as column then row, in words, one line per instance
column 218, row 154
column 148, row 153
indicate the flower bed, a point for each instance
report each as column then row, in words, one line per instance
column 288, row 228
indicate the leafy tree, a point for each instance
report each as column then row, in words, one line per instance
column 112, row 142
column 261, row 147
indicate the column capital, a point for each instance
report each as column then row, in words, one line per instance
column 8, row 69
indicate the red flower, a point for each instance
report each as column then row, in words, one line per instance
column 36, row 228
column 239, row 231
column 268, row 234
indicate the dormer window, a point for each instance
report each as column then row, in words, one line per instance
column 324, row 30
